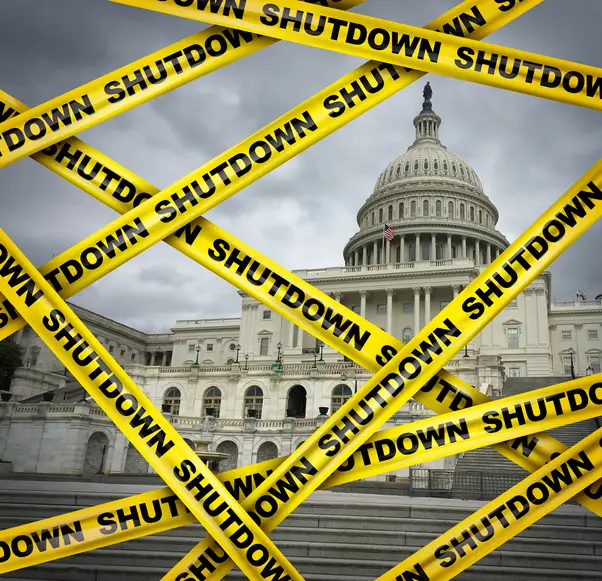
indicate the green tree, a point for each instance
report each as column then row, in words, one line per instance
column 11, row 357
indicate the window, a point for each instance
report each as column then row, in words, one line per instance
column 462, row 212
column 401, row 210
column 413, row 208
column 439, row 252
column 263, row 346
column 253, row 401
column 512, row 338
column 512, row 304
column 111, row 348
column 592, row 334
column 267, row 315
column 480, row 216
column 594, row 363
column 406, row 335
column 425, row 208
column 514, row 372
column 212, row 401
column 372, row 218
column 390, row 213
column 443, row 304
column 450, row 209
column 381, row 309
column 133, row 357
column 438, row 208
column 408, row 308
column 380, row 215
column 566, row 361
column 171, row 401
column 122, row 352
column 426, row 251
column 566, row 335
column 340, row 394
column 471, row 214
column 232, row 347
column 412, row 254
column 209, row 347
column 33, row 358
column 190, row 347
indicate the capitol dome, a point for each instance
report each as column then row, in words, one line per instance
column 428, row 191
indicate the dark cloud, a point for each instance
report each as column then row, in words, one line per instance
column 527, row 151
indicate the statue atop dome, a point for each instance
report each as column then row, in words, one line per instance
column 427, row 93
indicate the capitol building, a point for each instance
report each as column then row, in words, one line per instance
column 215, row 378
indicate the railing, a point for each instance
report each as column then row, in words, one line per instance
column 208, row 322
column 241, row 424
column 576, row 305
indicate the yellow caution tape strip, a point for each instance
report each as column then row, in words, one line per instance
column 135, row 83
column 391, row 449
column 134, row 414
column 506, row 516
column 400, row 44
column 399, row 380
column 174, row 207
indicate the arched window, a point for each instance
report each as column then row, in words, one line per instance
column 407, row 168
column 372, row 218
column 398, row 171
column 401, row 210
column 471, row 214
column 95, row 454
column 380, row 215
column 212, row 402
column 480, row 216
column 462, row 212
column 426, row 247
column 450, row 209
column 416, row 165
column 253, row 402
column 171, row 401
column 412, row 253
column 444, row 166
column 426, row 164
column 435, row 165
column 406, row 336
column 454, row 252
column 230, row 362
column 267, row 451
column 438, row 208
column 439, row 250
column 425, row 208
column 390, row 215
column 413, row 208
column 340, row 394
column 296, row 402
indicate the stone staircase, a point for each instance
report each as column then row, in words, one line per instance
column 331, row 537
column 484, row 474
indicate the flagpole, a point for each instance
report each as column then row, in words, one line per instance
column 383, row 254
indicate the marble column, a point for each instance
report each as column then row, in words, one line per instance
column 364, row 255
column 532, row 333
column 418, row 250
column 416, row 310
column 433, row 247
column 456, row 289
column 488, row 253
column 375, row 253
column 477, row 253
column 427, row 304
column 388, row 252
column 402, row 249
column 357, row 258
column 449, row 246
column 291, row 334
column 363, row 295
column 389, row 292
column 464, row 255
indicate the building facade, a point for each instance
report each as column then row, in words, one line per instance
column 215, row 377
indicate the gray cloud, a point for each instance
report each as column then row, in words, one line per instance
column 527, row 151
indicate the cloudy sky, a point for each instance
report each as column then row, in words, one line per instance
column 527, row 151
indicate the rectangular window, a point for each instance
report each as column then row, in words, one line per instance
column 267, row 315
column 567, row 365
column 512, row 338
column 592, row 334
column 566, row 335
column 191, row 348
column 408, row 308
column 209, row 346
column 594, row 363
column 133, row 357
column 514, row 372
column 122, row 353
column 263, row 346
column 381, row 309
column 111, row 348
column 443, row 304
column 512, row 304
column 35, row 352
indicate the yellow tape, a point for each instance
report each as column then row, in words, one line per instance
column 135, row 83
column 135, row 415
column 401, row 378
column 391, row 449
column 506, row 516
column 268, row 148
column 400, row 44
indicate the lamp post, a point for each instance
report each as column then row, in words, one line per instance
column 278, row 357
column 237, row 350
column 465, row 351
column 197, row 349
column 571, row 354
column 246, row 361
column 321, row 351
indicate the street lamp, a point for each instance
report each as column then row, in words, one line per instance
column 279, row 347
column 237, row 350
column 465, row 351
column 321, row 351
column 571, row 353
column 246, row 361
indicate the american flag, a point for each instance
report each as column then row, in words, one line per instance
column 388, row 233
